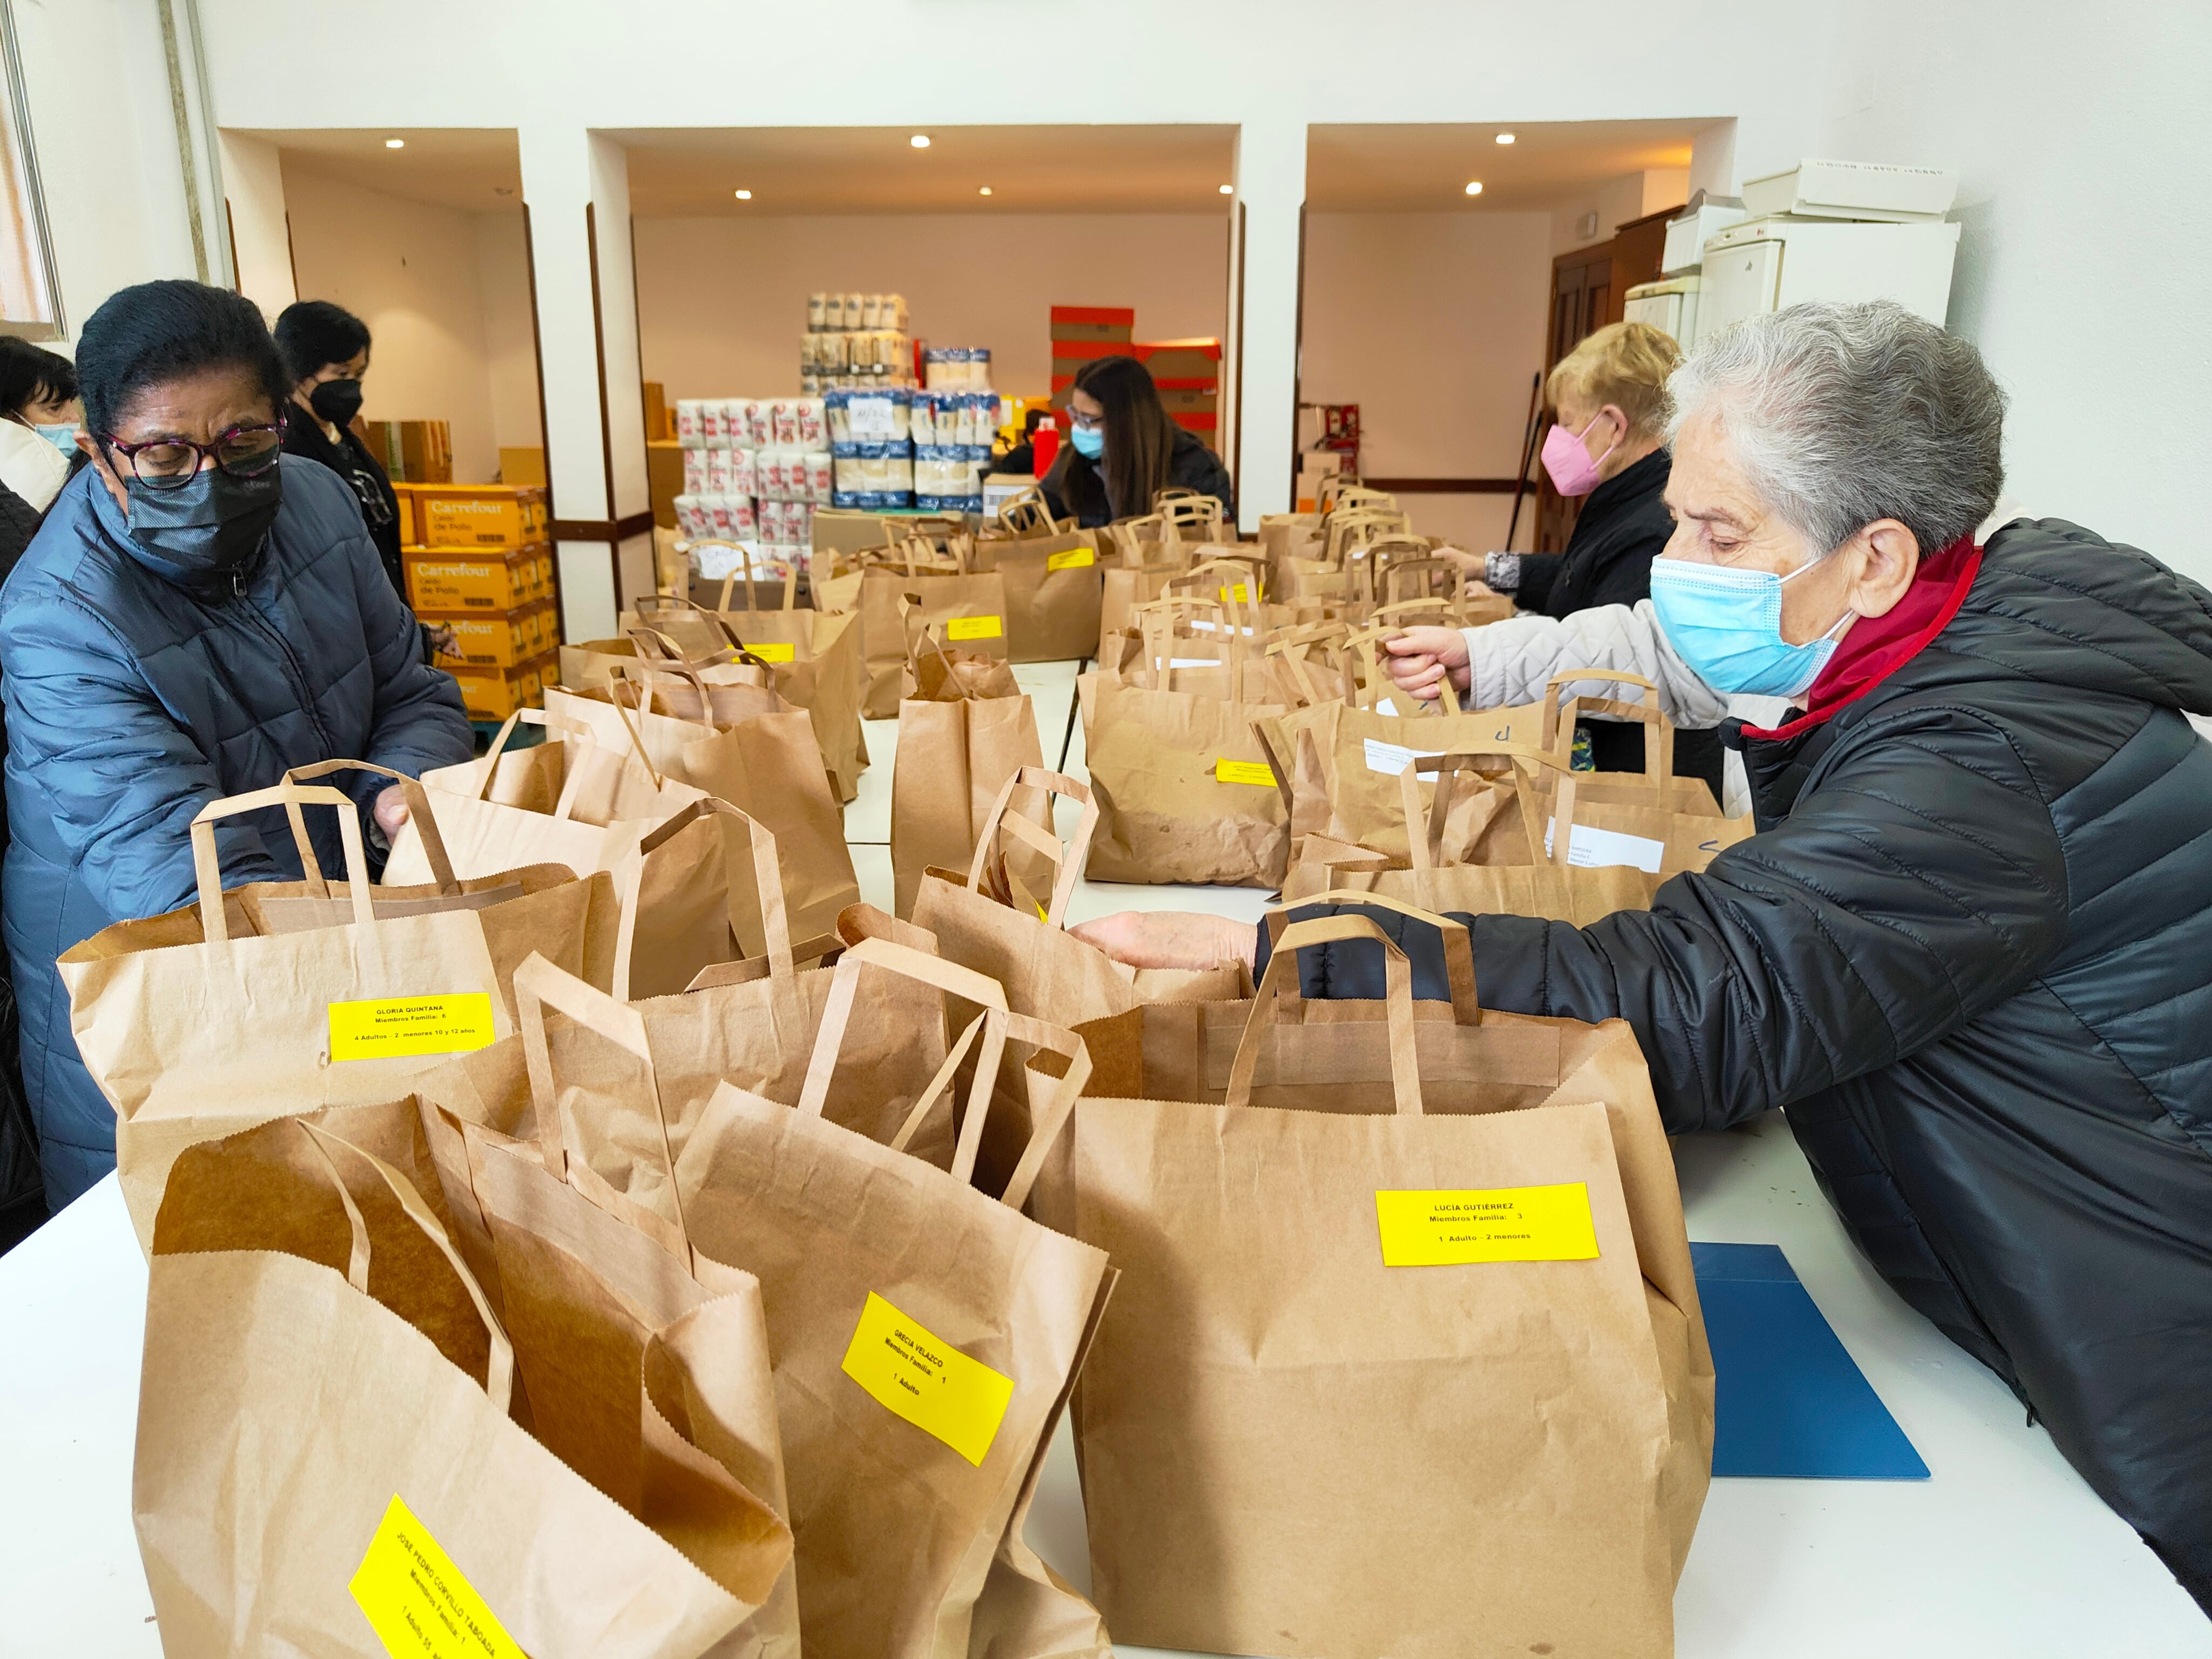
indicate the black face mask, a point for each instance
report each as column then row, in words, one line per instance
column 213, row 525
column 336, row 401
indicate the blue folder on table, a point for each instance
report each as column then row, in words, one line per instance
column 1790, row 1400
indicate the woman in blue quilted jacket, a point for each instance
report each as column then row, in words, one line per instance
column 197, row 614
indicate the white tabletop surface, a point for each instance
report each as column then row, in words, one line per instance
column 2002, row 1552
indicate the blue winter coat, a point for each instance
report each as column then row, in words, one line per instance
column 136, row 695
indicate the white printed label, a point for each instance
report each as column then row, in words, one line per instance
column 1196, row 662
column 1384, row 706
column 1587, row 849
column 1391, row 757
column 1207, row 628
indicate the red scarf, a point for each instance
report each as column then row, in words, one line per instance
column 1875, row 648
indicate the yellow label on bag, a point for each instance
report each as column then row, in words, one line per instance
column 417, row 1600
column 395, row 1027
column 975, row 628
column 784, row 653
column 1502, row 1224
column 1237, row 595
column 1256, row 772
column 1076, row 558
column 919, row 1377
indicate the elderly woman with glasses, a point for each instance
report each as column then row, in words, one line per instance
column 1970, row 949
column 197, row 614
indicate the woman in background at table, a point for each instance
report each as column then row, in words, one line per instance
column 1122, row 447
column 1608, row 446
column 325, row 350
column 198, row 615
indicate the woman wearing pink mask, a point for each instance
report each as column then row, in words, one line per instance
column 1607, row 445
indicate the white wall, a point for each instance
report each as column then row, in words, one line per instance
column 99, row 94
column 510, row 350
column 2073, row 130
column 261, row 240
column 722, row 301
column 1433, row 323
column 413, row 272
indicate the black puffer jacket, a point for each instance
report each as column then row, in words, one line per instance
column 1971, row 953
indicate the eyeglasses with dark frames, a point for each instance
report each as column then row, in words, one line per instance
column 243, row 452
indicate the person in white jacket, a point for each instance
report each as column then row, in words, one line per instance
column 38, row 419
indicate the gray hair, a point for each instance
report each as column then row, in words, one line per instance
column 1843, row 414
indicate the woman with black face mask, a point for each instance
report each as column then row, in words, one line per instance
column 198, row 614
column 325, row 350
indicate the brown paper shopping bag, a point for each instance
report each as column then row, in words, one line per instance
column 384, row 1487
column 1441, row 879
column 492, row 816
column 965, row 728
column 968, row 607
column 280, row 998
column 758, row 1031
column 1445, row 1264
column 883, row 1275
column 1184, row 787
column 1012, row 935
column 1054, row 580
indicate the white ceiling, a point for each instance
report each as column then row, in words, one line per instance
column 691, row 171
column 1407, row 169
column 877, row 170
column 479, row 168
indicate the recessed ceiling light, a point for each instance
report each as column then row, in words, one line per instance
column 1229, row 190
column 985, row 191
column 919, row 141
column 1504, row 137
column 1474, row 187
column 395, row 144
column 745, row 196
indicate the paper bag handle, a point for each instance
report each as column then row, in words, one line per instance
column 837, row 1012
column 768, row 885
column 538, row 717
column 1398, row 980
column 1555, row 694
column 537, row 982
column 1067, row 862
column 1458, row 942
column 207, row 865
column 997, row 1027
column 418, row 814
column 1026, row 512
column 1427, row 842
column 499, row 1363
column 1658, row 735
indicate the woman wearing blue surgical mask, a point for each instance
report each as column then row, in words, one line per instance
column 38, row 440
column 198, row 614
column 1123, row 449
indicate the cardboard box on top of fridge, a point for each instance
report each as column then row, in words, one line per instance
column 1185, row 400
column 480, row 515
column 1853, row 190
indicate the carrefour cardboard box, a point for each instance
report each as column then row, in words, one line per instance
column 480, row 515
column 1111, row 323
column 447, row 582
column 508, row 640
column 493, row 694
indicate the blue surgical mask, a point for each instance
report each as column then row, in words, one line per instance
column 62, row 438
column 1727, row 625
column 1090, row 441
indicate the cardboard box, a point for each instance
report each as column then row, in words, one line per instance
column 480, row 515
column 506, row 639
column 1178, row 401
column 493, row 694
column 663, row 480
column 549, row 669
column 442, row 581
column 1112, row 324
column 1180, row 359
column 523, row 468
column 660, row 418
column 417, row 452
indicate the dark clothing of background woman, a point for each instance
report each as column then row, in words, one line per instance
column 1075, row 486
column 364, row 475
